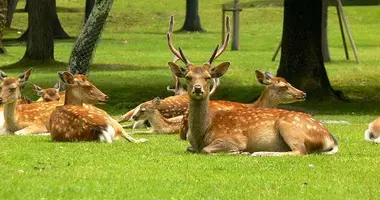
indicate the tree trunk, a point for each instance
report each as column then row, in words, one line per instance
column 84, row 47
column 58, row 31
column 89, row 5
column 11, row 9
column 301, row 53
column 192, row 21
column 40, row 43
column 26, row 5
column 3, row 20
column 325, row 44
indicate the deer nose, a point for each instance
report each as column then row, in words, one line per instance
column 197, row 88
column 106, row 98
column 1, row 99
column 304, row 95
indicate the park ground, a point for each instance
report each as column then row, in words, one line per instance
column 130, row 65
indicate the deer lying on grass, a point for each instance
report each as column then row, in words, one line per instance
column 159, row 123
column 261, row 131
column 76, row 121
column 24, row 118
column 49, row 94
column 372, row 134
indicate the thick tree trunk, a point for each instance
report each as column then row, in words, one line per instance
column 192, row 21
column 89, row 5
column 11, row 9
column 26, row 5
column 3, row 20
column 301, row 53
column 58, row 31
column 40, row 43
column 85, row 45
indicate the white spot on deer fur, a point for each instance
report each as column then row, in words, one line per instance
column 308, row 127
column 296, row 118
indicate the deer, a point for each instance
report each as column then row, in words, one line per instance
column 22, row 119
column 78, row 120
column 49, row 94
column 259, row 131
column 159, row 123
column 372, row 134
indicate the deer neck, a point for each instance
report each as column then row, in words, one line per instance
column 264, row 101
column 10, row 116
column 159, row 122
column 199, row 123
column 71, row 98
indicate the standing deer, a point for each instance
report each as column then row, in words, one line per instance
column 372, row 134
column 24, row 118
column 262, row 132
column 49, row 94
column 76, row 121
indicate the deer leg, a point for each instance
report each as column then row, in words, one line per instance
column 225, row 145
column 124, row 134
column 31, row 129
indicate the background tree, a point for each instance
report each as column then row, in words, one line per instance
column 3, row 19
column 85, row 45
column 58, row 31
column 89, row 5
column 40, row 43
column 192, row 20
column 11, row 9
column 301, row 53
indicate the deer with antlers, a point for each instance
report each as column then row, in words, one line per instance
column 76, row 120
column 49, row 94
column 260, row 131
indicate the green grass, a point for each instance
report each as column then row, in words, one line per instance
column 130, row 66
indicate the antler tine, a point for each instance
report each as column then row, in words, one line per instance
column 183, row 56
column 218, row 52
column 215, row 85
column 170, row 41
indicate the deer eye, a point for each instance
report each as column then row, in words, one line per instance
column 188, row 78
column 207, row 78
column 285, row 87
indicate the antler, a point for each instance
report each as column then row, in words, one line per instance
column 217, row 51
column 178, row 55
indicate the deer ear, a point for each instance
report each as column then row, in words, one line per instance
column 220, row 70
column 66, row 77
column 3, row 75
column 177, row 70
column 25, row 76
column 156, row 101
column 263, row 78
column 37, row 89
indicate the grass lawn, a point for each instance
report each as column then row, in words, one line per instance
column 130, row 66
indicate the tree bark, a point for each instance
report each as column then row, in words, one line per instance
column 3, row 20
column 11, row 9
column 301, row 53
column 59, row 32
column 192, row 21
column 40, row 43
column 89, row 5
column 84, row 47
column 325, row 44
column 26, row 5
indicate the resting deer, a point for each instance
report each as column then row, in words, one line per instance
column 49, row 94
column 75, row 121
column 24, row 118
column 160, row 124
column 261, row 131
column 372, row 134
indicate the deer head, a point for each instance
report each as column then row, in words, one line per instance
column 48, row 94
column 147, row 109
column 82, row 89
column 278, row 89
column 198, row 77
column 10, row 87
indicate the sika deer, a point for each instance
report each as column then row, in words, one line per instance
column 24, row 118
column 49, row 94
column 263, row 132
column 75, row 121
column 148, row 111
column 372, row 134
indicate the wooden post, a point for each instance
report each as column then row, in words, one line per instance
column 235, row 31
column 342, row 33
